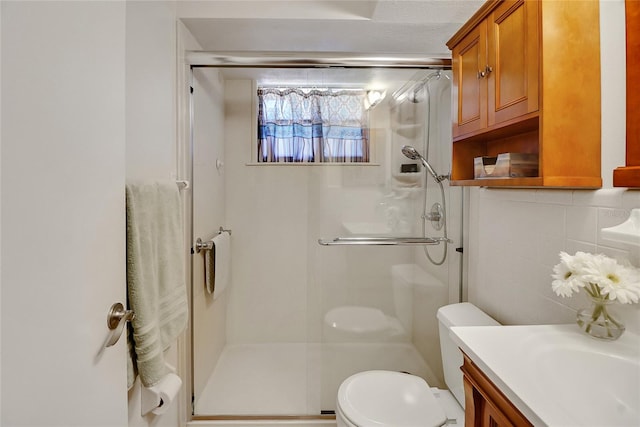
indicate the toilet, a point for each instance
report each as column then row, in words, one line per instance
column 397, row 399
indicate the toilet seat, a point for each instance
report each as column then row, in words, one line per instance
column 388, row 399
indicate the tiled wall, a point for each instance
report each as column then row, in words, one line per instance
column 516, row 236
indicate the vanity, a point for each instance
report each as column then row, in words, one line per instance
column 548, row 375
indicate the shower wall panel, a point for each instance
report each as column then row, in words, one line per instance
column 266, row 207
column 209, row 315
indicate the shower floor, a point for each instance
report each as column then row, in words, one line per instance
column 296, row 379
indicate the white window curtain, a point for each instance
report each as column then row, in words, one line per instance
column 297, row 125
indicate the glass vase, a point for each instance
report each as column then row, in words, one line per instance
column 597, row 320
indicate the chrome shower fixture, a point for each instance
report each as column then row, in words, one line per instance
column 413, row 154
column 410, row 91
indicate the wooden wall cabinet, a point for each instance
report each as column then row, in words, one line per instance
column 496, row 68
column 629, row 175
column 485, row 404
column 526, row 79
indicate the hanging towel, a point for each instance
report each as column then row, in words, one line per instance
column 218, row 264
column 156, row 285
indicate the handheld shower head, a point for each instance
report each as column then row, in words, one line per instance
column 413, row 154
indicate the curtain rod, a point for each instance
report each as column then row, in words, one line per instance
column 313, row 60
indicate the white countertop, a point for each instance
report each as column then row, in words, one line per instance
column 556, row 375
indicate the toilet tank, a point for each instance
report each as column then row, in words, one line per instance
column 462, row 314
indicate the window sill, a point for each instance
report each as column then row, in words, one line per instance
column 298, row 164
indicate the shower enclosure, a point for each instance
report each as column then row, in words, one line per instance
column 299, row 317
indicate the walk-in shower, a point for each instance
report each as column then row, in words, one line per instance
column 298, row 317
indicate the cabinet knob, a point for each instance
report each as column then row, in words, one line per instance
column 487, row 70
column 481, row 74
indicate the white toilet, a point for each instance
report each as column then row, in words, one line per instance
column 396, row 399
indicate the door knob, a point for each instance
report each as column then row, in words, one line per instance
column 116, row 320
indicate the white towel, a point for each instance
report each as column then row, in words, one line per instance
column 218, row 264
column 155, row 275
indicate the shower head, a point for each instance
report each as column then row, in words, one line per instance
column 413, row 154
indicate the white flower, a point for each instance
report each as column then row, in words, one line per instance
column 618, row 282
column 567, row 275
column 600, row 275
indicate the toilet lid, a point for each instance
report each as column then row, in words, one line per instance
column 386, row 398
column 357, row 319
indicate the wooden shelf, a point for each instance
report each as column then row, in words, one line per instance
column 500, row 182
column 559, row 182
column 627, row 176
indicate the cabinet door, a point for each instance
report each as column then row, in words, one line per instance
column 469, row 59
column 493, row 417
column 513, row 60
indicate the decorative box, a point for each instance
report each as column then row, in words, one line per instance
column 506, row 165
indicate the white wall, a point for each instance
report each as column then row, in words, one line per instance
column 151, row 131
column 515, row 235
column 613, row 90
column 150, row 74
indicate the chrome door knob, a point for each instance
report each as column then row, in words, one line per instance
column 116, row 320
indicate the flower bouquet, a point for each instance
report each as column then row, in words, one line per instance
column 605, row 281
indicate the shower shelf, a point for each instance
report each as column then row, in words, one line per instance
column 383, row 241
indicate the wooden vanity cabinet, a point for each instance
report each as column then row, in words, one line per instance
column 526, row 79
column 485, row 404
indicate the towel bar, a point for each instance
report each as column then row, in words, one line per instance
column 384, row 241
column 208, row 245
column 203, row 246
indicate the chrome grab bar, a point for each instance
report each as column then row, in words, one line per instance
column 201, row 245
column 384, row 241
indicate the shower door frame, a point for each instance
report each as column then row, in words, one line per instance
column 189, row 59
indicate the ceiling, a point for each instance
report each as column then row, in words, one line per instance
column 382, row 26
column 362, row 26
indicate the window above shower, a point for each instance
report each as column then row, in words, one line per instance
column 320, row 116
column 313, row 125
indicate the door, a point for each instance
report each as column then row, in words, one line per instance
column 209, row 315
column 513, row 61
column 63, row 217
column 469, row 61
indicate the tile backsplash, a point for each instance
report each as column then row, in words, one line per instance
column 515, row 237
